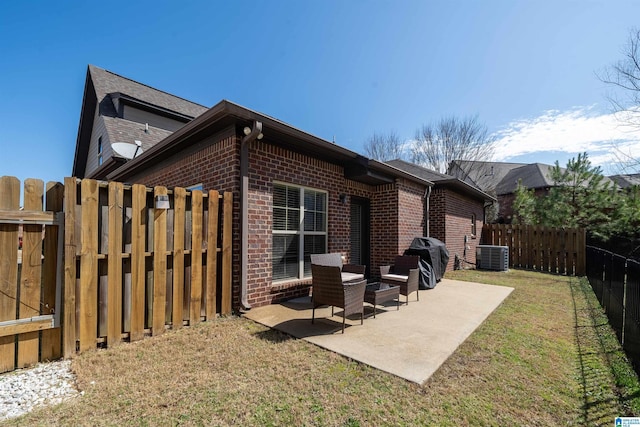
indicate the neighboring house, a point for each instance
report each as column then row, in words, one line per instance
column 626, row 182
column 117, row 109
column 295, row 194
column 457, row 211
column 501, row 179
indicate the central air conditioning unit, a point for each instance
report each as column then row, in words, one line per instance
column 492, row 257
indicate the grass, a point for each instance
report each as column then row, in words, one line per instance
column 546, row 356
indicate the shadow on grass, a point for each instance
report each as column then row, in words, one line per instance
column 599, row 359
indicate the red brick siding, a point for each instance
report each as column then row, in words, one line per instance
column 384, row 229
column 411, row 221
column 215, row 162
column 437, row 210
column 268, row 163
column 450, row 221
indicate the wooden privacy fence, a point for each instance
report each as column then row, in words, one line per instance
column 552, row 250
column 135, row 262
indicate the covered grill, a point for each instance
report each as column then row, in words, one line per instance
column 434, row 257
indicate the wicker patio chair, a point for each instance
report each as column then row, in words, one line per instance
column 404, row 273
column 349, row 272
column 328, row 289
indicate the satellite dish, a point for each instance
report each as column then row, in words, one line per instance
column 127, row 150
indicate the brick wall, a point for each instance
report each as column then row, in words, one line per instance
column 215, row 163
column 269, row 163
column 450, row 221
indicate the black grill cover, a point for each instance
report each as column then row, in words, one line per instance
column 434, row 257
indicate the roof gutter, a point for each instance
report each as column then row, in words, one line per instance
column 255, row 133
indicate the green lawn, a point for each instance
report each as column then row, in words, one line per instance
column 546, row 356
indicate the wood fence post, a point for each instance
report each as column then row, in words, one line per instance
column 70, row 272
column 138, row 239
column 31, row 274
column 227, row 252
column 159, row 265
column 179, row 202
column 9, row 200
column 88, row 300
column 114, row 263
column 212, row 255
column 195, row 306
column 51, row 338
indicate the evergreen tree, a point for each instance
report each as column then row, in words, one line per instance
column 524, row 206
column 579, row 197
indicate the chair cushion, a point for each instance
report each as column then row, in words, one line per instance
column 397, row 277
column 332, row 259
column 350, row 277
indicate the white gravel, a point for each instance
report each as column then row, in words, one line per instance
column 43, row 384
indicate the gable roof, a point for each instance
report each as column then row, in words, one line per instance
column 440, row 179
column 534, row 175
column 108, row 83
column 109, row 92
column 484, row 175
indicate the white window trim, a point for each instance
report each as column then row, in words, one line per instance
column 300, row 232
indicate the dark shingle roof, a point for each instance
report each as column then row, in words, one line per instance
column 418, row 171
column 626, row 181
column 534, row 175
column 484, row 175
column 128, row 131
column 440, row 179
column 106, row 82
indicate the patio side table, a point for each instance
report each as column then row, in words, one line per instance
column 377, row 293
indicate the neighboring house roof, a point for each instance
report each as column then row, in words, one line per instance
column 534, row 175
column 110, row 92
column 626, row 181
column 440, row 179
column 108, row 83
column 227, row 113
column 503, row 178
column 484, row 175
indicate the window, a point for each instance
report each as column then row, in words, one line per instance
column 299, row 230
column 473, row 226
column 100, row 151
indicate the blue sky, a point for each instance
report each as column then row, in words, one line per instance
column 334, row 68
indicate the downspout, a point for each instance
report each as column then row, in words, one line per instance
column 250, row 136
column 484, row 211
column 427, row 195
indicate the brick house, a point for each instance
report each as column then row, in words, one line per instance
column 457, row 211
column 294, row 193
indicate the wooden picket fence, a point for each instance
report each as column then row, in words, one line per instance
column 103, row 263
column 552, row 250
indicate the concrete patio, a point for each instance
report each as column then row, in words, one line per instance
column 411, row 342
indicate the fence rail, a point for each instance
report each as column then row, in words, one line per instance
column 552, row 250
column 106, row 262
column 616, row 283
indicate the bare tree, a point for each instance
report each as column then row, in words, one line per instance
column 624, row 78
column 384, row 147
column 451, row 138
